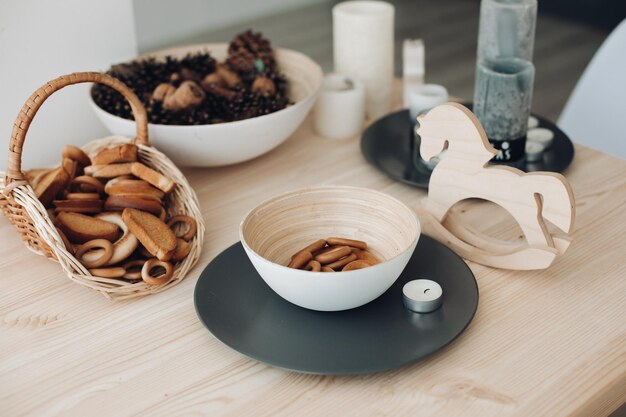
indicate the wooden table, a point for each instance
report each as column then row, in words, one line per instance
column 543, row 343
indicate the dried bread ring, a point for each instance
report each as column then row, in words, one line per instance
column 130, row 265
column 341, row 241
column 116, row 154
column 124, row 186
column 313, row 266
column 104, row 255
column 300, row 259
column 150, row 265
column 358, row 264
column 71, row 167
column 122, row 247
column 365, row 255
column 82, row 196
column 112, row 272
column 333, row 255
column 85, row 183
column 121, row 202
column 78, row 206
column 342, row 262
column 50, row 185
column 76, row 154
column 315, row 246
column 189, row 221
column 109, row 171
column 182, row 250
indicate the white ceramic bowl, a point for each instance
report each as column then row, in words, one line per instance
column 283, row 225
column 233, row 142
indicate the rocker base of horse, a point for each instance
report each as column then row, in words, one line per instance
column 485, row 250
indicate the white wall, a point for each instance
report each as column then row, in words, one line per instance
column 163, row 22
column 40, row 40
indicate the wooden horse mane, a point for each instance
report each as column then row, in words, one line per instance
column 437, row 123
column 463, row 173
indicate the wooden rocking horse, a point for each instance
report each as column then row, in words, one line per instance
column 463, row 173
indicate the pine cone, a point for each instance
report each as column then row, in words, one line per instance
column 244, row 64
column 248, row 45
column 252, row 42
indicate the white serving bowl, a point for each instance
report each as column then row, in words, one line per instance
column 283, row 225
column 232, row 142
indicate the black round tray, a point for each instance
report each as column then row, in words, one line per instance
column 240, row 310
column 388, row 145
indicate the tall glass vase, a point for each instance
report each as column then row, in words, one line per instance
column 505, row 74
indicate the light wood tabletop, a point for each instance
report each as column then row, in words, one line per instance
column 542, row 343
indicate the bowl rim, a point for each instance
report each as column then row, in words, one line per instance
column 300, row 272
column 313, row 94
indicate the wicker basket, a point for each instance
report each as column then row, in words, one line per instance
column 20, row 205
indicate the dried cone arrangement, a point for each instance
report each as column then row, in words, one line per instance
column 117, row 215
column 197, row 90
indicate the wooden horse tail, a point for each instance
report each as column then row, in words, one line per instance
column 557, row 198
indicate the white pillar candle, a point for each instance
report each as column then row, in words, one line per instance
column 363, row 49
column 412, row 67
column 340, row 107
column 422, row 295
column 424, row 97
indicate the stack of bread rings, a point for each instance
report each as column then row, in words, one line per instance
column 109, row 211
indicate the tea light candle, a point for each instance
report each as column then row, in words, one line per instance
column 340, row 107
column 422, row 295
column 534, row 151
column 363, row 49
column 424, row 97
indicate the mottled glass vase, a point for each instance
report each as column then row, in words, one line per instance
column 505, row 74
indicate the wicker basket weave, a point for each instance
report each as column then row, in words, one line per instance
column 20, row 205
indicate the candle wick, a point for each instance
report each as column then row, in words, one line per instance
column 427, row 289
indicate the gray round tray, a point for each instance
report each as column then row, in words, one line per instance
column 388, row 145
column 240, row 310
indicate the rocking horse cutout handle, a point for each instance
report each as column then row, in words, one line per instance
column 531, row 198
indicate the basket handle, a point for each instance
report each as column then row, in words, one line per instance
column 34, row 102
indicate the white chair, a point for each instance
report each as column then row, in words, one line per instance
column 595, row 114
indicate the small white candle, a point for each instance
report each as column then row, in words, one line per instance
column 363, row 49
column 412, row 66
column 424, row 97
column 340, row 107
column 534, row 151
column 422, row 295
column 533, row 122
column 541, row 135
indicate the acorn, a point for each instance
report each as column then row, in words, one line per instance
column 264, row 86
column 162, row 91
column 189, row 94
